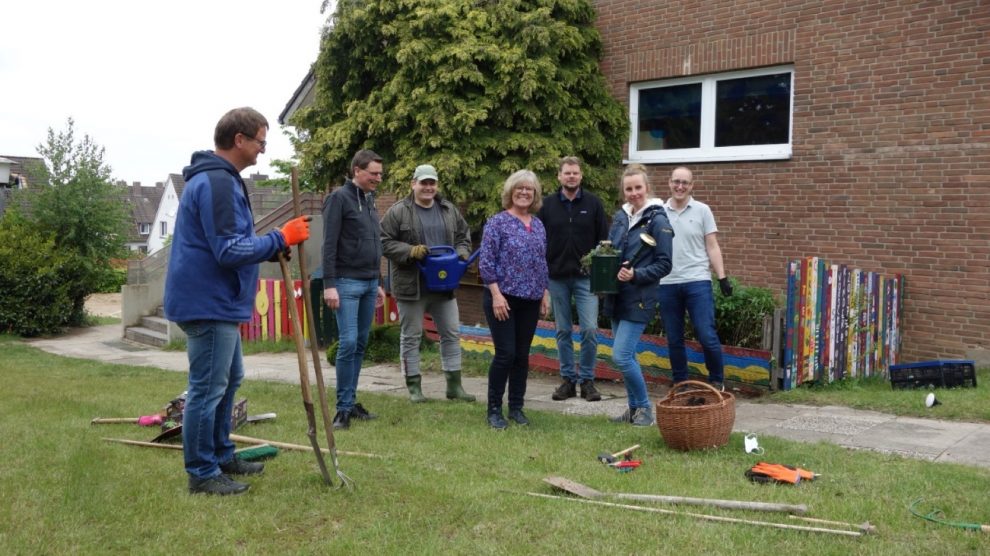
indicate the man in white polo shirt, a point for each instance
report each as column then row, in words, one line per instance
column 688, row 287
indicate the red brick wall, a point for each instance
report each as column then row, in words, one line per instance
column 891, row 146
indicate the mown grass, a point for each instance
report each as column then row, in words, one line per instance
column 957, row 404
column 446, row 483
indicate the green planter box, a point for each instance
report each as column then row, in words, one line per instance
column 603, row 273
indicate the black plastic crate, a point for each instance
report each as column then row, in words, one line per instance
column 934, row 374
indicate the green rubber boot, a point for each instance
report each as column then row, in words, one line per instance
column 414, row 383
column 454, row 389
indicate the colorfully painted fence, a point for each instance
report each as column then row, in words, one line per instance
column 743, row 367
column 270, row 319
column 840, row 322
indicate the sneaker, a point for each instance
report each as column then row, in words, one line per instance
column 518, row 416
column 589, row 392
column 221, row 485
column 342, row 420
column 359, row 412
column 567, row 389
column 718, row 386
column 642, row 417
column 238, row 466
column 496, row 421
column 626, row 417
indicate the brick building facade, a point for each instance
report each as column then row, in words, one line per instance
column 889, row 162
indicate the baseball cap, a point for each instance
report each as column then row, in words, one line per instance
column 425, row 172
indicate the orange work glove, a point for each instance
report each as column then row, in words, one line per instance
column 296, row 230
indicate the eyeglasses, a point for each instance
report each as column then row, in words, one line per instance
column 680, row 182
column 263, row 144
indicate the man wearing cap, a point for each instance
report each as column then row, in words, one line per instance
column 409, row 229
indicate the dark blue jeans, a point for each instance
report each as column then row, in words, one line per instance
column 696, row 298
column 215, row 372
column 354, row 317
column 512, row 338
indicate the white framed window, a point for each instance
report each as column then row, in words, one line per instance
column 163, row 228
column 739, row 115
column 144, row 228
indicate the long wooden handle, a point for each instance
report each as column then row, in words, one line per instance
column 144, row 444
column 112, row 420
column 299, row 447
column 310, row 323
column 799, row 509
column 706, row 517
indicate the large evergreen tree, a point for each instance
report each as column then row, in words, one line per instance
column 479, row 88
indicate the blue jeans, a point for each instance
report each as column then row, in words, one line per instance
column 512, row 338
column 357, row 310
column 697, row 299
column 586, row 302
column 215, row 372
column 625, row 338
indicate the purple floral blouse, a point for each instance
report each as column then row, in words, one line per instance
column 514, row 257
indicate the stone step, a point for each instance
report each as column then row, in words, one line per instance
column 160, row 312
column 158, row 324
column 146, row 336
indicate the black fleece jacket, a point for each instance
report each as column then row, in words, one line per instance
column 572, row 231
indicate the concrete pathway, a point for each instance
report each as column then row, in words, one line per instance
column 928, row 439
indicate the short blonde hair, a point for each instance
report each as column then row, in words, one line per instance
column 518, row 178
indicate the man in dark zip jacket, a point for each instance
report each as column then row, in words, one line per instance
column 575, row 222
column 352, row 252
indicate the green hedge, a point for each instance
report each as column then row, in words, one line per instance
column 39, row 285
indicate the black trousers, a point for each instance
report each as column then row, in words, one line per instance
column 512, row 338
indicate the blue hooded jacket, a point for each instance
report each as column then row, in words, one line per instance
column 213, row 266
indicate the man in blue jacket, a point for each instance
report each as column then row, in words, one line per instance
column 352, row 253
column 209, row 289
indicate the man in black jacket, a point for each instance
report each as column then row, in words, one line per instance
column 575, row 222
column 352, row 253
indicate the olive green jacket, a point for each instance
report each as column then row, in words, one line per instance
column 401, row 230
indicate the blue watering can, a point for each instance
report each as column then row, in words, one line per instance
column 442, row 269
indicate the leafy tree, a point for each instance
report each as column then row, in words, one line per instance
column 478, row 88
column 79, row 209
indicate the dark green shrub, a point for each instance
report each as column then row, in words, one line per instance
column 110, row 280
column 38, row 283
column 738, row 319
column 383, row 345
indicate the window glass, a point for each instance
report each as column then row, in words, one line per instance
column 735, row 115
column 753, row 110
column 670, row 117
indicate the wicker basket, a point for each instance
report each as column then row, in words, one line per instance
column 695, row 415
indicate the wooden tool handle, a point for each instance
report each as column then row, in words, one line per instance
column 626, row 451
column 111, row 420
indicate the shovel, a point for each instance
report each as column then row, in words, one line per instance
column 590, row 493
column 321, row 388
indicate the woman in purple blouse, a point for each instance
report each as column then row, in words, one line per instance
column 513, row 265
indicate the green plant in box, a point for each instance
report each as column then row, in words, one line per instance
column 602, row 263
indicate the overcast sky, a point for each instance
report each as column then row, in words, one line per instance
column 148, row 81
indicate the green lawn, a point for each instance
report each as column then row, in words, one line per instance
column 446, row 483
column 876, row 394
